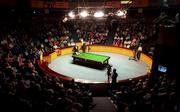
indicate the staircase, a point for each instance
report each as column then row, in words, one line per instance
column 103, row 104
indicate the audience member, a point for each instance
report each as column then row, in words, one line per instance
column 114, row 76
column 109, row 72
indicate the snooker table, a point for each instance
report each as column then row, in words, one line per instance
column 85, row 57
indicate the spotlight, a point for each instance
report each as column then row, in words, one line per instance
column 84, row 14
column 124, row 2
column 99, row 14
column 71, row 14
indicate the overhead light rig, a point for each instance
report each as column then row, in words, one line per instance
column 98, row 12
column 94, row 13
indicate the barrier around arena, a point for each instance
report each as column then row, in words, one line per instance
column 91, row 48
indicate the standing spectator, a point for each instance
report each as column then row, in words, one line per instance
column 134, row 57
column 139, row 50
column 114, row 76
column 109, row 71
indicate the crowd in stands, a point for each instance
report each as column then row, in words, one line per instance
column 128, row 34
column 141, row 95
column 90, row 31
column 138, row 96
column 53, row 35
column 24, row 88
column 132, row 34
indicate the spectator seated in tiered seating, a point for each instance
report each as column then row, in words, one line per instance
column 136, row 96
column 24, row 88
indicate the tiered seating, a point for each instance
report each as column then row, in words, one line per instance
column 138, row 96
column 24, row 88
